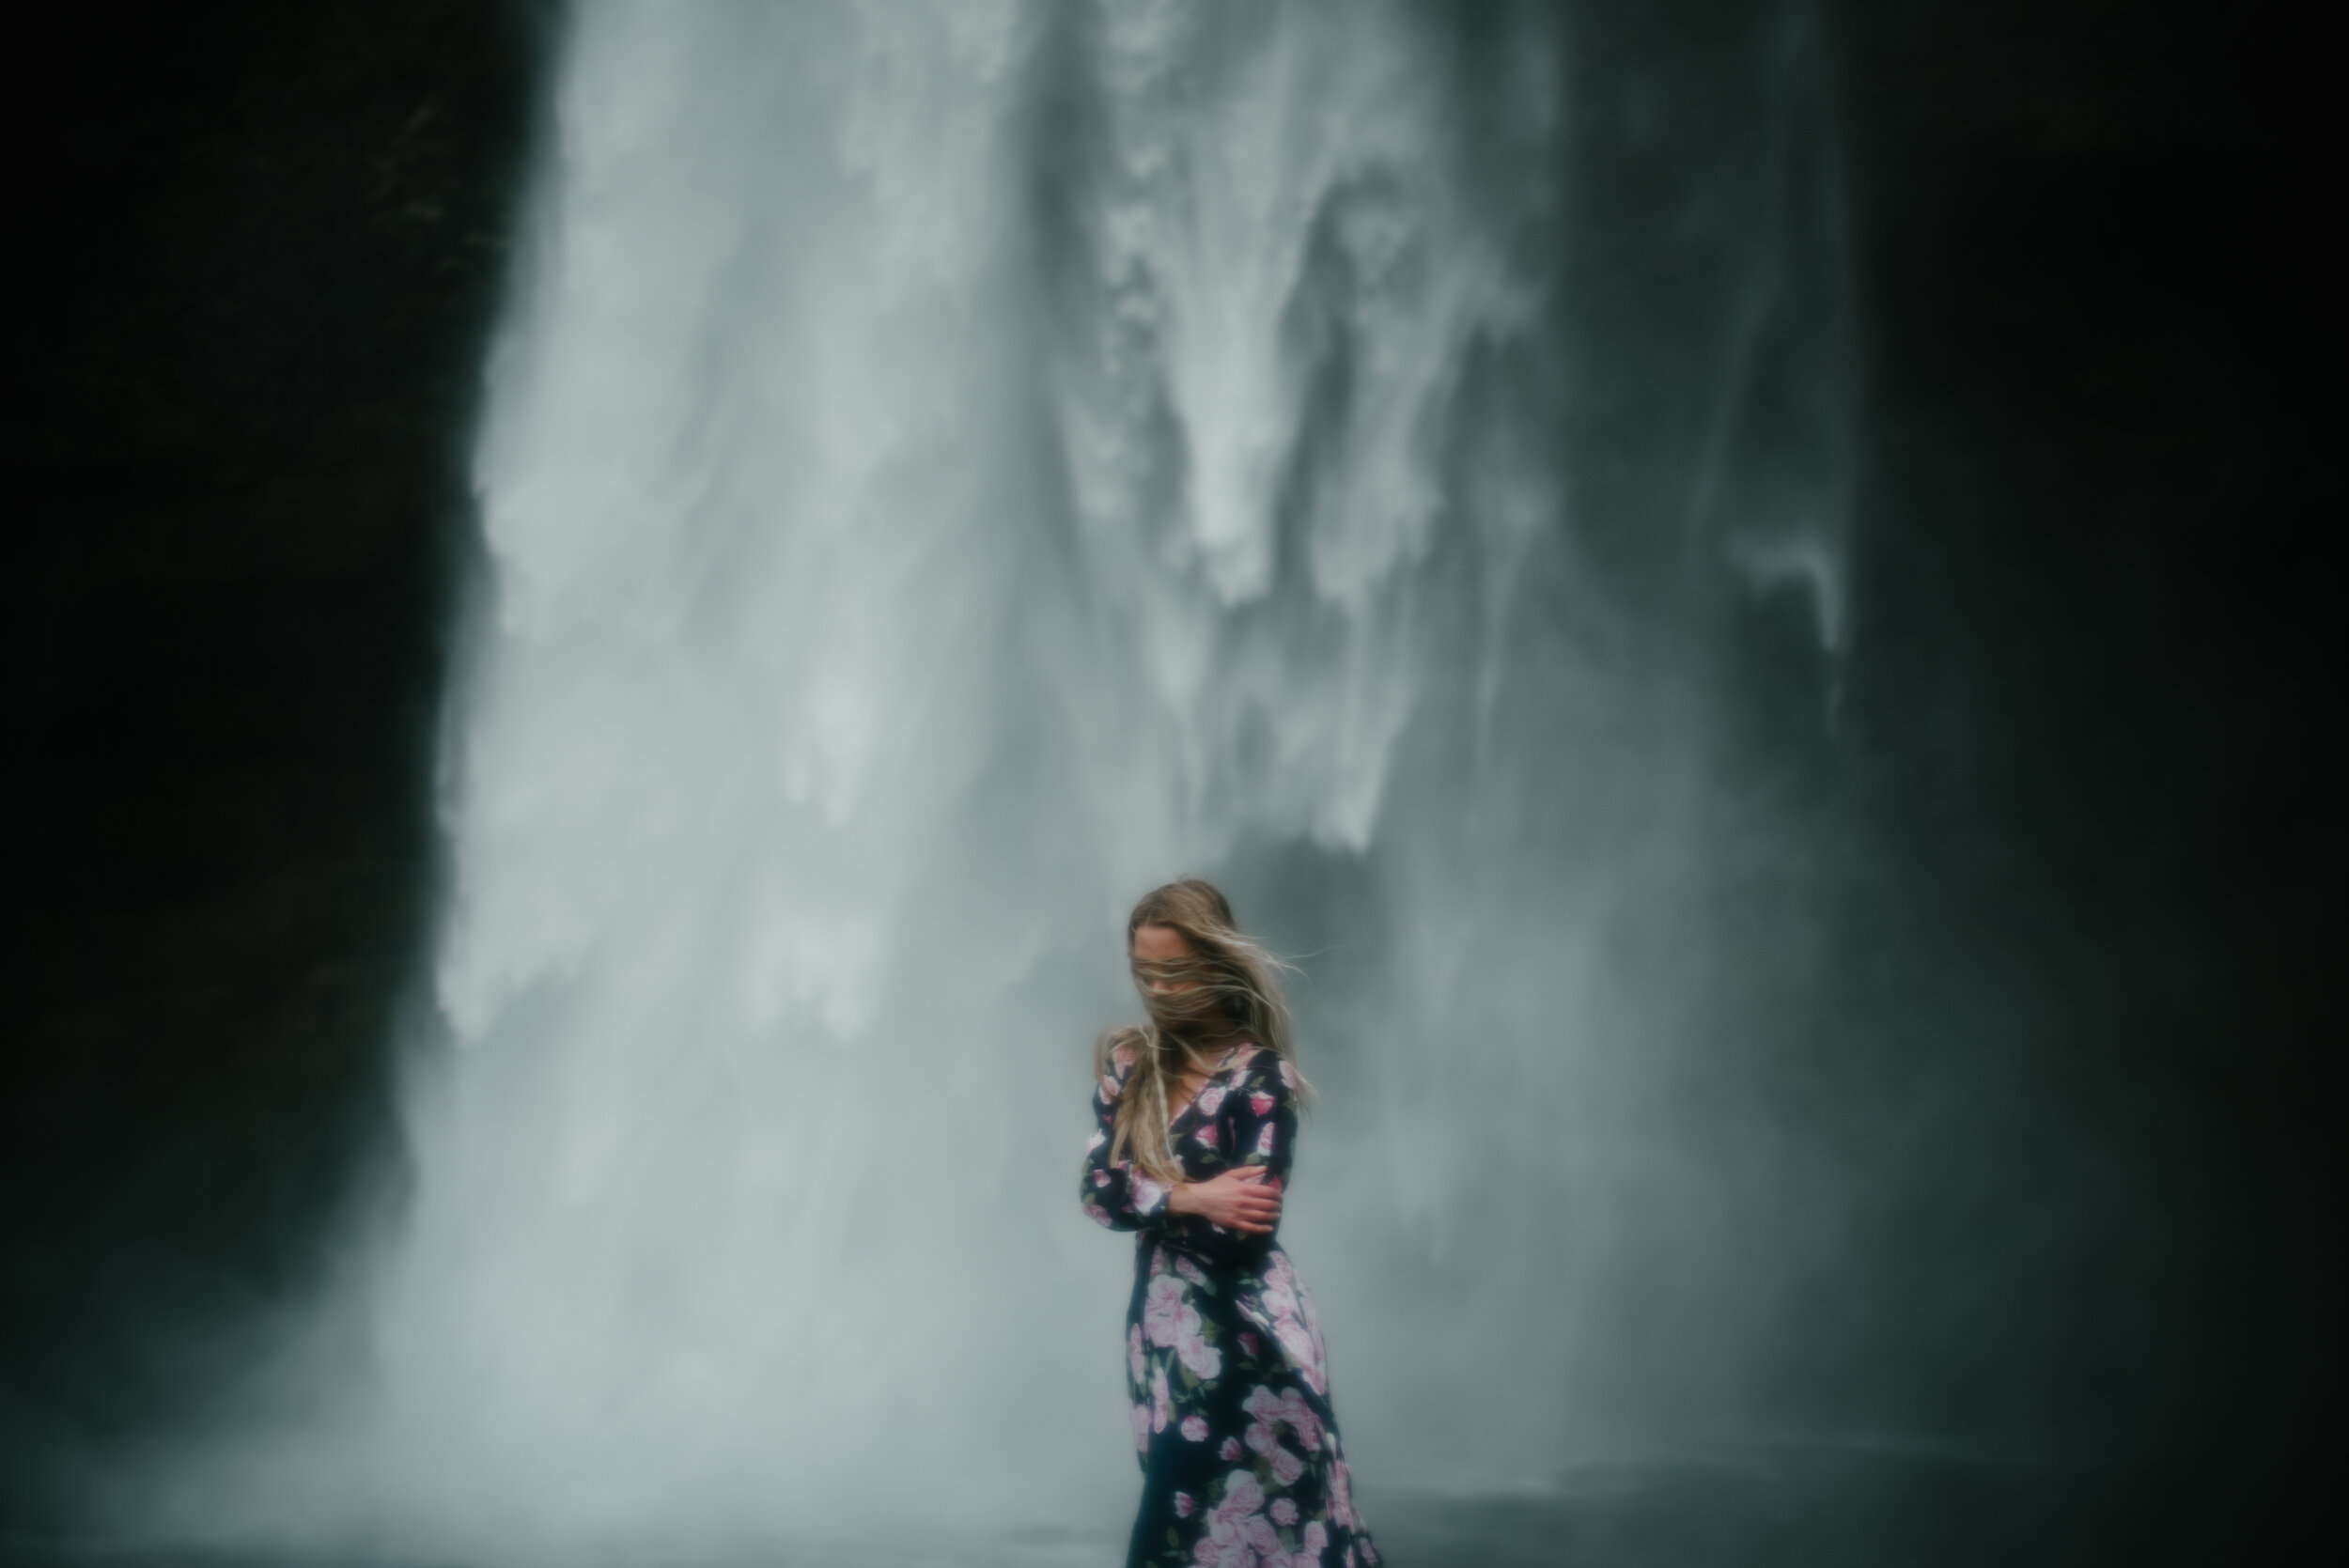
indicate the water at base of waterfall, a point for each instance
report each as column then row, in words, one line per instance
column 1731, row 1507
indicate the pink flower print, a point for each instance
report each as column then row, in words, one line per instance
column 1148, row 1195
column 1141, row 1414
column 1298, row 1418
column 1210, row 1098
column 1312, row 1332
column 1194, row 1429
column 1096, row 1142
column 1278, row 1286
column 1210, row 1136
column 1288, row 1076
column 1239, row 1535
column 1190, row 1270
column 1161, row 1405
column 1293, row 1322
column 1100, row 1178
column 1248, row 1343
column 1342, row 1496
column 1135, row 1362
column 1283, row 1511
column 1370, row 1553
column 1348, row 1561
column 1259, row 1101
column 1205, row 1361
column 1099, row 1215
column 1184, row 1503
column 1164, row 1310
column 1299, row 1347
column 1311, row 1545
column 1229, row 1452
column 1170, row 1319
column 1264, row 1138
column 1269, row 1411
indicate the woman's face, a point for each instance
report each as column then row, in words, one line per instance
column 1162, row 944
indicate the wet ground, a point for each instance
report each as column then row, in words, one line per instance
column 1743, row 1507
column 1763, row 1510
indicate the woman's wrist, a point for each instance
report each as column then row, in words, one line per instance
column 1178, row 1198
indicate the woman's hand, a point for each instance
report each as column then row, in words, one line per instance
column 1242, row 1200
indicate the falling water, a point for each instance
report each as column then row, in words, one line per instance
column 953, row 465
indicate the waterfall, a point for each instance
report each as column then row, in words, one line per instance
column 953, row 465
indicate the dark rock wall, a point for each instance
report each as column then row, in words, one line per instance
column 2088, row 711
column 258, row 247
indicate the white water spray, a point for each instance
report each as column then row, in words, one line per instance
column 950, row 467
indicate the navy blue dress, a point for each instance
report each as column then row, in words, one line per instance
column 1240, row 1461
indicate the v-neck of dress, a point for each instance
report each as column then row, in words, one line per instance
column 1223, row 1063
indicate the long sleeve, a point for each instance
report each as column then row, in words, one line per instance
column 1112, row 1191
column 1255, row 1124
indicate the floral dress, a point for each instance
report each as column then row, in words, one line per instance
column 1240, row 1462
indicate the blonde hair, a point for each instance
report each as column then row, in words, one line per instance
column 1232, row 993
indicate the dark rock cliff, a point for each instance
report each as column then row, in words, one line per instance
column 258, row 248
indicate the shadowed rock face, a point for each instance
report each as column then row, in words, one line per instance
column 2088, row 677
column 261, row 247
column 264, row 245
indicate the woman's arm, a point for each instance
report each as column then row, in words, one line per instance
column 1112, row 1191
column 1242, row 1200
column 1255, row 1129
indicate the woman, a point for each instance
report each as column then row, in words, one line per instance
column 1240, row 1461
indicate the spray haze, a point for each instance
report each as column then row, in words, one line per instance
column 952, row 466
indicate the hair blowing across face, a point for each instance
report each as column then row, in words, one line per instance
column 1226, row 992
